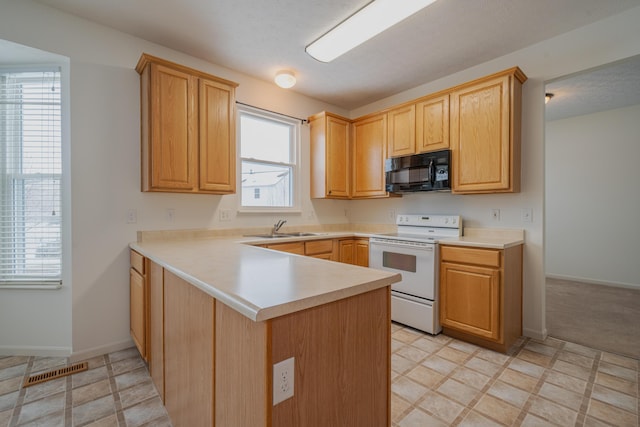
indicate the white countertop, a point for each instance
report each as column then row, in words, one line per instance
column 491, row 238
column 261, row 283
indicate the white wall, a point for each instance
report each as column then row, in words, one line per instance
column 592, row 197
column 605, row 41
column 105, row 162
column 90, row 315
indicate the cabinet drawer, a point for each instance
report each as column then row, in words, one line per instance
column 488, row 257
column 292, row 247
column 137, row 262
column 315, row 247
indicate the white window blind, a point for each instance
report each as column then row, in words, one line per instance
column 269, row 161
column 30, row 178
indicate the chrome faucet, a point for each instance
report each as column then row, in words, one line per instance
column 277, row 226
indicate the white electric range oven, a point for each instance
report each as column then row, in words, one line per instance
column 413, row 252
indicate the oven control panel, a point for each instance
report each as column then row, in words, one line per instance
column 439, row 221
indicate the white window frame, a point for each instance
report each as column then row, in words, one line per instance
column 295, row 155
column 31, row 281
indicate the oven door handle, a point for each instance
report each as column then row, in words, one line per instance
column 399, row 245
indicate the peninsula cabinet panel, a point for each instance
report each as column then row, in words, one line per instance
column 401, row 138
column 156, row 326
column 485, row 134
column 243, row 370
column 369, row 148
column 432, row 124
column 342, row 368
column 187, row 129
column 188, row 353
column 330, row 168
column 217, row 137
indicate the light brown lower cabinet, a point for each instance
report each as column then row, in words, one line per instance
column 139, row 303
column 217, row 365
column 481, row 295
column 354, row 251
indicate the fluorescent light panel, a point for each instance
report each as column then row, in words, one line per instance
column 368, row 22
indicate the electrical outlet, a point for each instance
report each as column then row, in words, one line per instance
column 495, row 214
column 392, row 215
column 132, row 216
column 224, row 215
column 527, row 215
column 170, row 215
column 283, row 375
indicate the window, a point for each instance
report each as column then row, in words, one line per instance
column 268, row 156
column 30, row 178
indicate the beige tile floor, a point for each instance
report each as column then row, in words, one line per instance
column 440, row 381
column 436, row 381
column 116, row 390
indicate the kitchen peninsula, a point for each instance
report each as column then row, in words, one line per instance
column 222, row 313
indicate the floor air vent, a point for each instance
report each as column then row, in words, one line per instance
column 57, row 373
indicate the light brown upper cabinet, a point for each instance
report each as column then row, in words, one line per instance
column 401, row 138
column 330, row 171
column 432, row 124
column 485, row 134
column 369, row 148
column 187, row 128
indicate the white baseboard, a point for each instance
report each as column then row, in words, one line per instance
column 593, row 281
column 99, row 351
column 35, row 351
column 535, row 334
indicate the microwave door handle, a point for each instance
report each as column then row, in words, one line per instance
column 432, row 173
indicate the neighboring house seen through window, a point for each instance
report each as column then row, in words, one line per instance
column 268, row 156
column 30, row 178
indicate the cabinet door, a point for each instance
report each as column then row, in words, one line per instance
column 369, row 153
column 347, row 251
column 361, row 252
column 329, row 157
column 173, row 138
column 470, row 299
column 401, row 138
column 432, row 124
column 337, row 157
column 217, row 137
column 481, row 137
column 138, row 311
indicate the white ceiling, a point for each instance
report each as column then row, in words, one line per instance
column 259, row 37
column 614, row 85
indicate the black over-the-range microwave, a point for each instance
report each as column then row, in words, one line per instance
column 418, row 172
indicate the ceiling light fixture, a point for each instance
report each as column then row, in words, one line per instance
column 547, row 97
column 285, row 79
column 368, row 22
